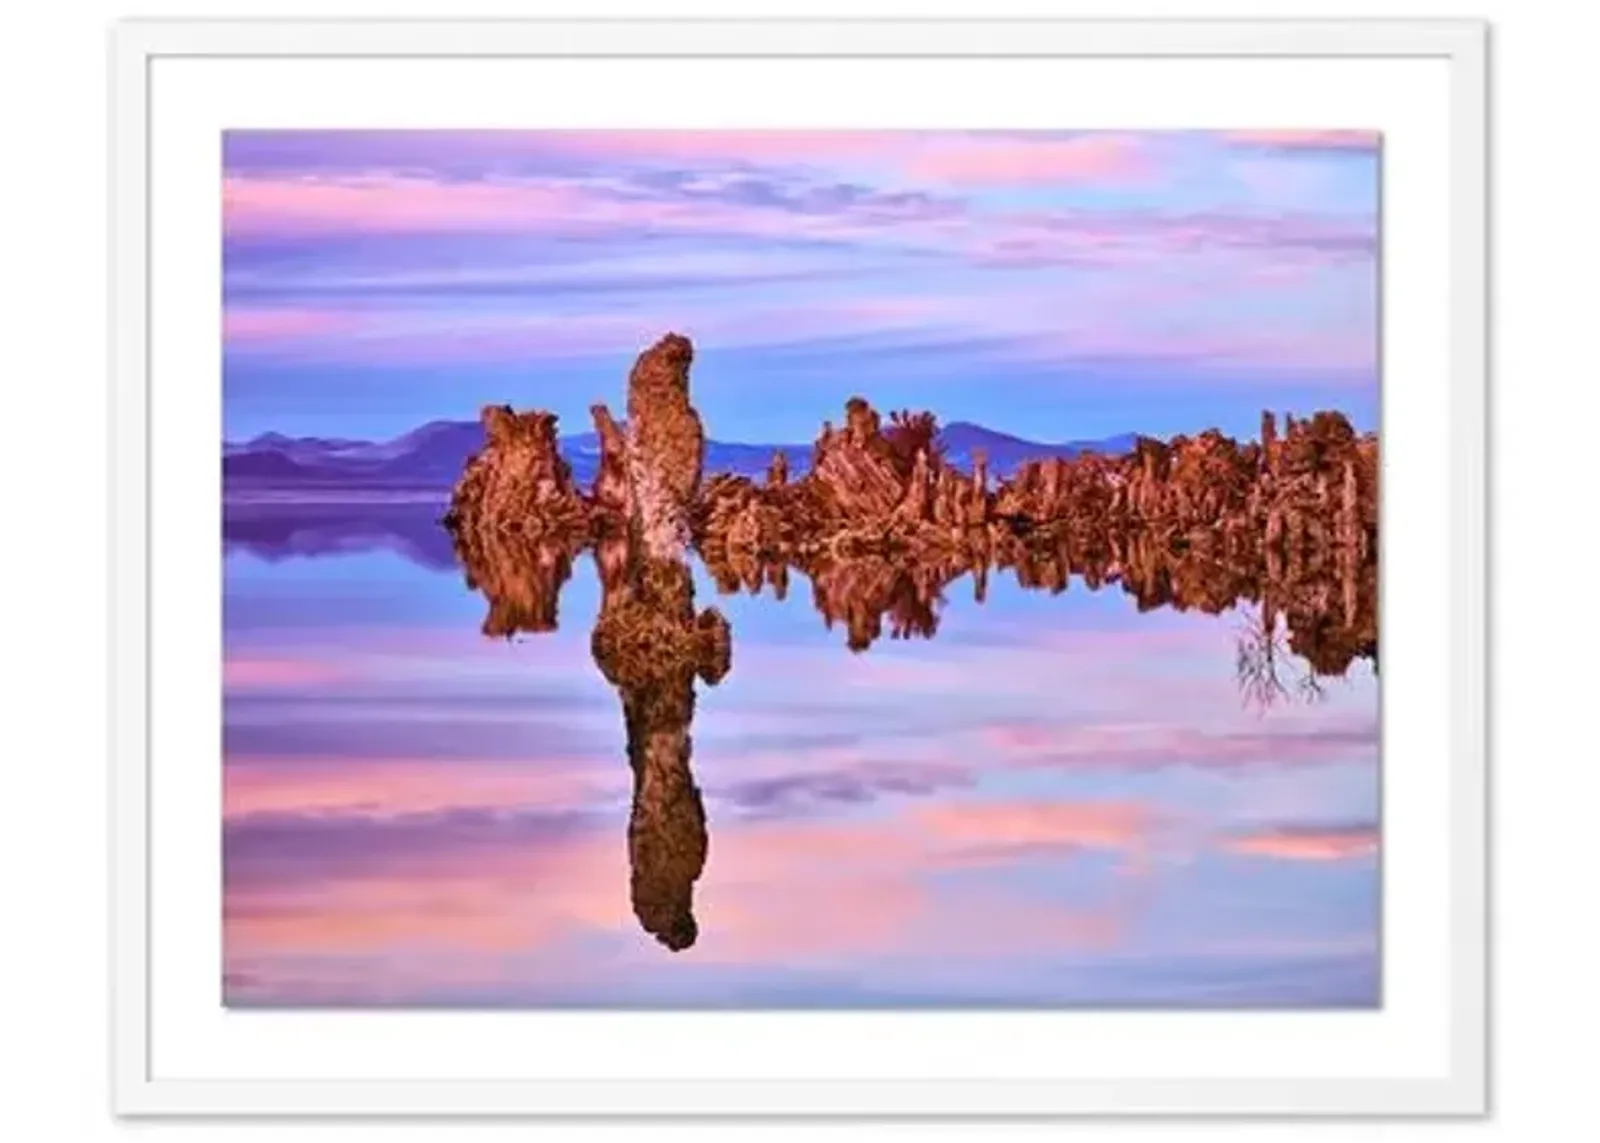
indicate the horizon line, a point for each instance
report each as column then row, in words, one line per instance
column 710, row 439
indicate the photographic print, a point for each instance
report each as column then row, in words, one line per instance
column 800, row 569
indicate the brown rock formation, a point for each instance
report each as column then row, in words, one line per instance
column 869, row 489
column 853, row 472
column 609, row 497
column 517, row 483
column 1287, row 502
column 665, row 447
column 911, row 435
column 778, row 469
column 516, row 521
column 1313, row 488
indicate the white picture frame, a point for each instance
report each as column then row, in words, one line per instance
column 1448, row 1077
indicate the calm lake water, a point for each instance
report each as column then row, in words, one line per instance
column 1055, row 801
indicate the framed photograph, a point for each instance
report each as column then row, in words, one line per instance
column 799, row 568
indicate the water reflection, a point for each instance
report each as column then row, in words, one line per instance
column 1302, row 621
column 275, row 531
column 650, row 645
column 1071, row 794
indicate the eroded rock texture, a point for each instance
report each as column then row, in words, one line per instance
column 887, row 489
column 882, row 520
column 664, row 447
column 609, row 498
column 518, row 482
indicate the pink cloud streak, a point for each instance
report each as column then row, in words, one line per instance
column 392, row 204
column 266, row 324
column 1092, row 158
column 385, row 204
column 930, row 159
column 1021, row 825
column 392, row 787
column 1308, row 139
column 1306, row 844
column 270, row 673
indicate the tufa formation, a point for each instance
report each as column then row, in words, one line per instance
column 518, row 522
column 882, row 521
column 1285, row 527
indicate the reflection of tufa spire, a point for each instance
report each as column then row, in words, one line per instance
column 860, row 592
column 650, row 645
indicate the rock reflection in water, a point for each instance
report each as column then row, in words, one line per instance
column 649, row 644
column 1322, row 608
column 1297, row 630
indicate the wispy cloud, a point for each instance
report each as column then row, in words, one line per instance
column 1308, row 843
column 241, row 325
column 1213, row 258
column 943, row 157
column 1290, row 139
column 1010, row 160
column 241, row 673
column 760, row 209
column 261, row 790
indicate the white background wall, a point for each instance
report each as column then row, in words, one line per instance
column 52, row 473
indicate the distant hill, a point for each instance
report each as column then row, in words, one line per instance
column 1006, row 452
column 296, row 448
column 432, row 456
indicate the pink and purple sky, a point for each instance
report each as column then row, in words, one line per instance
column 1050, row 284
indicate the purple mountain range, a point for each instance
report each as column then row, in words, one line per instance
column 432, row 456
